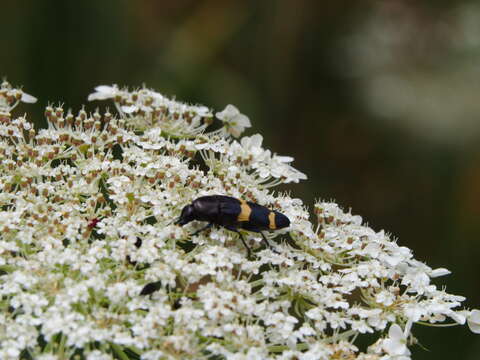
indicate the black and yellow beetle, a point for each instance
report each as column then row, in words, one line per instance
column 233, row 214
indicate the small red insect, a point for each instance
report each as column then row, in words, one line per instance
column 93, row 223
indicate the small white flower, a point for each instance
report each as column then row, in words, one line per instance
column 98, row 355
column 385, row 297
column 439, row 272
column 54, row 357
column 103, row 92
column 129, row 109
column 252, row 145
column 396, row 343
column 152, row 355
column 473, row 321
column 235, row 122
column 27, row 98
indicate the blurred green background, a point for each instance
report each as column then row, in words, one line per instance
column 378, row 101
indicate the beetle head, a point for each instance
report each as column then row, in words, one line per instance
column 186, row 216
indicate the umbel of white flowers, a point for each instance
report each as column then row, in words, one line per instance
column 87, row 212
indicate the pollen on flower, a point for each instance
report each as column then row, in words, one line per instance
column 92, row 262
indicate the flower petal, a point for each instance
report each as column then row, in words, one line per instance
column 473, row 321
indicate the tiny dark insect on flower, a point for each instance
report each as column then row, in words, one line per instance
column 233, row 214
column 93, row 223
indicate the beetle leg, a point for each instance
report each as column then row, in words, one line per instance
column 268, row 244
column 266, row 241
column 249, row 251
column 204, row 228
column 257, row 230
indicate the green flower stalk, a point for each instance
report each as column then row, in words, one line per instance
column 93, row 267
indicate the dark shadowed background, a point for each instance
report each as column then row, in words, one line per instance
column 378, row 101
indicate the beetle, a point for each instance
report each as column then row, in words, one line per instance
column 233, row 214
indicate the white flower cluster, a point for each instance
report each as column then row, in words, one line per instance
column 91, row 264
